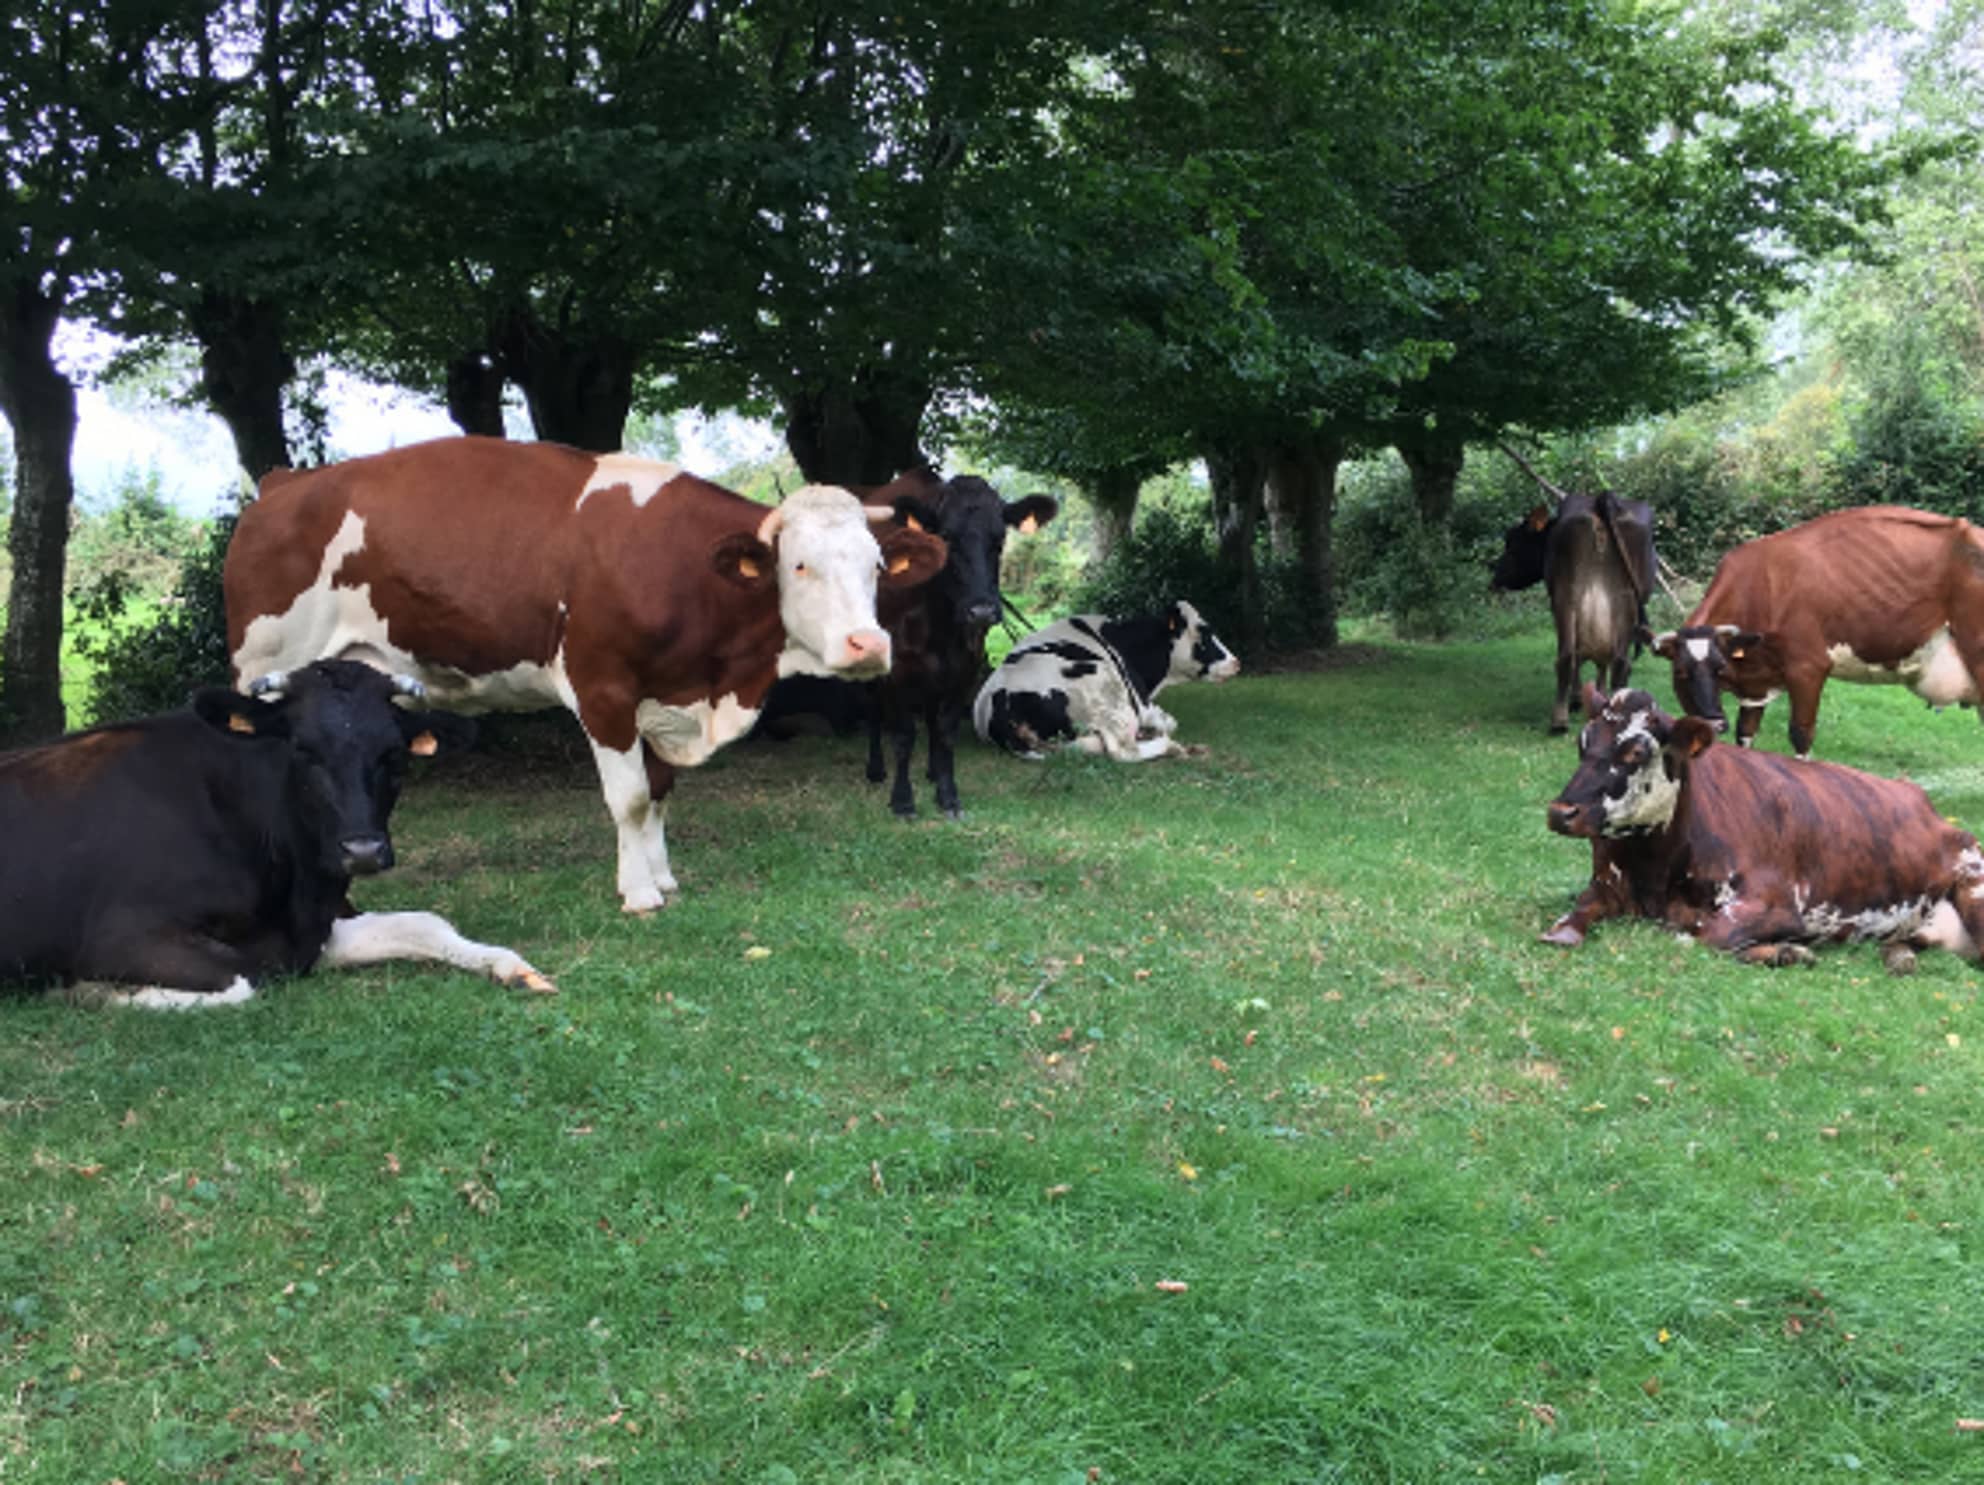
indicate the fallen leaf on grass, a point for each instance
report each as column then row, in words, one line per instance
column 1171, row 1286
column 757, row 951
column 1189, row 1171
column 1970, row 1425
column 1061, row 1190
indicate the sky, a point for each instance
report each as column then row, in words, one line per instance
column 120, row 437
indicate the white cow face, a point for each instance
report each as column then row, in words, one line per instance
column 1196, row 652
column 829, row 563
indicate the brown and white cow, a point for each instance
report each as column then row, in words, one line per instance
column 658, row 608
column 1880, row 593
column 1754, row 852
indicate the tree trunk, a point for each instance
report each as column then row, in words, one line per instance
column 41, row 405
column 579, row 390
column 1239, row 473
column 860, row 430
column 243, row 370
column 1301, row 501
column 1434, row 460
column 1113, row 496
column 475, row 394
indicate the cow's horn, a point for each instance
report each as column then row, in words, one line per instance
column 1665, row 637
column 878, row 514
column 274, row 683
column 768, row 528
column 406, row 685
column 1727, row 631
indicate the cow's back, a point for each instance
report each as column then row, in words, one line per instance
column 1876, row 578
column 1834, row 834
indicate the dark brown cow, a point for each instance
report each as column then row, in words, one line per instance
column 655, row 606
column 1880, row 593
column 939, row 629
column 1595, row 555
column 1757, row 853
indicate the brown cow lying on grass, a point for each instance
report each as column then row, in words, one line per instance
column 1757, row 853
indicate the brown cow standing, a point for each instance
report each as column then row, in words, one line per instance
column 1757, row 853
column 1879, row 594
column 655, row 606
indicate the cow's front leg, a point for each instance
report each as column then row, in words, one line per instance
column 940, row 723
column 1749, row 717
column 178, row 968
column 623, row 779
column 1606, row 895
column 878, row 770
column 902, row 732
column 376, row 938
column 1805, row 688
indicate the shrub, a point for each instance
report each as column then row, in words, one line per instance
column 150, row 666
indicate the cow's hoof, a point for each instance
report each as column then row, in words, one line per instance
column 1557, row 729
column 521, row 976
column 954, row 815
column 1563, row 935
column 641, row 904
column 1791, row 956
column 1899, row 959
column 903, row 811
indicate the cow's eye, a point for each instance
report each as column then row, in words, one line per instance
column 1633, row 754
column 799, row 569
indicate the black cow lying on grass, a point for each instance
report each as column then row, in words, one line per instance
column 1757, row 853
column 195, row 853
column 1093, row 682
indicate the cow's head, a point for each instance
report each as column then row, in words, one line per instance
column 1632, row 764
column 1524, row 548
column 973, row 520
column 819, row 546
column 348, row 744
column 1197, row 654
column 1709, row 659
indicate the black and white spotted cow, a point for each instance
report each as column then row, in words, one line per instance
column 1092, row 682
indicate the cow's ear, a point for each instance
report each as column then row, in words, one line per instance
column 1594, row 699
column 1029, row 515
column 1736, row 646
column 1538, row 519
column 245, row 716
column 1664, row 643
column 911, row 557
column 1689, row 737
column 742, row 559
column 430, row 733
column 913, row 514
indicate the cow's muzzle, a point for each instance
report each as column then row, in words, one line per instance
column 365, row 855
column 864, row 653
column 1567, row 818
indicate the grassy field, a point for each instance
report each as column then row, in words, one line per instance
column 875, row 1156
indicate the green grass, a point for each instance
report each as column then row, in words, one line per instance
column 890, row 1203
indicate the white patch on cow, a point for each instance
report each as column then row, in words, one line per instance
column 1727, row 899
column 642, row 477
column 1943, row 928
column 828, row 559
column 1698, row 649
column 1970, row 864
column 159, row 998
column 687, row 735
column 1824, row 920
column 1649, row 798
column 1105, row 715
column 375, row 938
column 644, row 878
column 1934, row 671
column 321, row 622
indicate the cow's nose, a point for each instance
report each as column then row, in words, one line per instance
column 866, row 652
column 1563, row 817
column 981, row 613
column 366, row 855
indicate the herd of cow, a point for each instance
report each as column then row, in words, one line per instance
column 175, row 861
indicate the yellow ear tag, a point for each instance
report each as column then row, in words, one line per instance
column 1735, row 654
column 914, row 525
column 898, row 564
column 748, row 567
column 424, row 746
column 238, row 723
column 1029, row 526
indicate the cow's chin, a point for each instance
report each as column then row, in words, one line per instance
column 796, row 659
